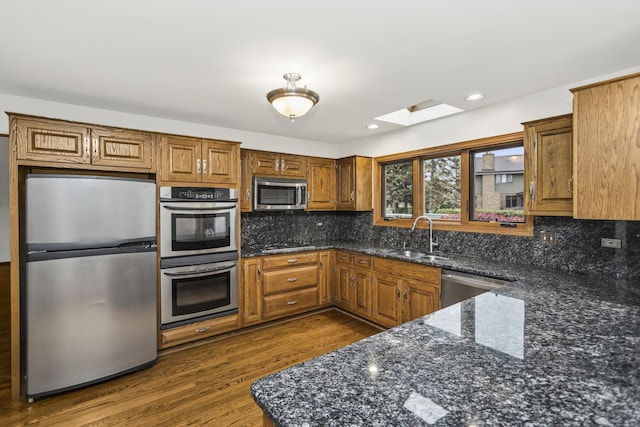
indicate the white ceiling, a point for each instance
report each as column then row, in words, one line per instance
column 213, row 62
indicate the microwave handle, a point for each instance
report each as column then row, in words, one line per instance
column 183, row 208
column 299, row 195
column 204, row 271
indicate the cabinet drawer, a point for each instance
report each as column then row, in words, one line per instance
column 344, row 258
column 362, row 261
column 289, row 279
column 290, row 302
column 288, row 260
column 407, row 270
column 198, row 330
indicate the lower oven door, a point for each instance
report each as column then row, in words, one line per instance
column 196, row 291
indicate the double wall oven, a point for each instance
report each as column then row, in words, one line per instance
column 199, row 254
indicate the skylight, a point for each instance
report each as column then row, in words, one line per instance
column 419, row 113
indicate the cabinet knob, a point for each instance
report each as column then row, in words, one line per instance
column 532, row 189
column 294, row 302
column 292, row 261
column 201, row 330
column 204, row 166
column 292, row 279
column 198, row 165
column 570, row 184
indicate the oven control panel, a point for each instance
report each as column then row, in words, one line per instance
column 198, row 193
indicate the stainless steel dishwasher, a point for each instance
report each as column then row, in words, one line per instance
column 457, row 286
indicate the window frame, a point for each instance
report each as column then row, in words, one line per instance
column 464, row 224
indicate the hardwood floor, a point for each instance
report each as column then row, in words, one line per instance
column 203, row 385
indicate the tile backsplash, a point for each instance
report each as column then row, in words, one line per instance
column 577, row 248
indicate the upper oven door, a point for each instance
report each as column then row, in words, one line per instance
column 194, row 228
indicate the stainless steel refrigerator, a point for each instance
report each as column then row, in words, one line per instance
column 90, row 280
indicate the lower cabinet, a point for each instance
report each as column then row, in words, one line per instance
column 403, row 291
column 352, row 283
column 277, row 286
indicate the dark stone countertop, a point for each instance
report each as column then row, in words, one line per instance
column 550, row 348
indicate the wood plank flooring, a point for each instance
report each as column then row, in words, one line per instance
column 203, row 385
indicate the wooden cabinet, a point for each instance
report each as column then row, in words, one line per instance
column 403, row 291
column 246, row 187
column 200, row 160
column 198, row 330
column 548, row 166
column 354, row 184
column 65, row 143
column 324, row 277
column 606, row 150
column 276, row 164
column 251, row 291
column 352, row 283
column 321, row 184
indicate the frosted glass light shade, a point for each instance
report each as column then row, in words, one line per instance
column 292, row 101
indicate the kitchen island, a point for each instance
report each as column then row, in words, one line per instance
column 551, row 348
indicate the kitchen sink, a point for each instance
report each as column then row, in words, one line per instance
column 418, row 255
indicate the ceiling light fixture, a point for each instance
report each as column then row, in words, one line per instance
column 292, row 101
column 372, row 126
column 474, row 97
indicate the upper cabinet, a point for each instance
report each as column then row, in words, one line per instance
column 47, row 140
column 606, row 150
column 548, row 147
column 279, row 165
column 246, row 189
column 200, row 160
column 353, row 184
column 321, row 183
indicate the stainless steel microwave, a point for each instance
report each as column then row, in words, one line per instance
column 279, row 194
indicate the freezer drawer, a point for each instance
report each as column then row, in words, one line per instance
column 89, row 318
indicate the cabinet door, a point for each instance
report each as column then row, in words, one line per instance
column 265, row 164
column 324, row 278
column 548, row 146
column 361, row 300
column 606, row 150
column 345, row 197
column 419, row 299
column 220, row 162
column 386, row 300
column 292, row 166
column 321, row 184
column 246, row 189
column 51, row 141
column 343, row 285
column 121, row 148
column 181, row 160
column 251, row 290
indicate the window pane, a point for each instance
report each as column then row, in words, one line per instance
column 442, row 187
column 498, row 185
column 398, row 190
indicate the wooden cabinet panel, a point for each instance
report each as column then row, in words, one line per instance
column 361, row 299
column 419, row 299
column 342, row 281
column 62, row 142
column 321, row 184
column 121, row 148
column 548, row 170
column 324, row 278
column 288, row 303
column 251, row 291
column 52, row 141
column 246, row 187
column 293, row 166
column 220, row 162
column 180, row 158
column 407, row 270
column 606, row 150
column 344, row 258
column 264, row 164
column 386, row 295
column 354, row 184
column 198, row 330
column 289, row 260
column 289, row 279
column 362, row 261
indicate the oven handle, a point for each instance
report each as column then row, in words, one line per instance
column 200, row 272
column 184, row 208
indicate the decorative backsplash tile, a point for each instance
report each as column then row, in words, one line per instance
column 577, row 247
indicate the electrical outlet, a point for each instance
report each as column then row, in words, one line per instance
column 548, row 238
column 610, row 243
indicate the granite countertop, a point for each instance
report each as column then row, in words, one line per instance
column 550, row 348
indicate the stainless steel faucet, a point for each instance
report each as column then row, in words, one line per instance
column 431, row 242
